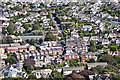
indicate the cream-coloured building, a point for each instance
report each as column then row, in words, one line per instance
column 2, row 51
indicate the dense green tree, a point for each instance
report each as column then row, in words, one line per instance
column 8, row 39
column 105, row 51
column 74, row 62
column 10, row 30
column 32, row 77
column 111, row 68
column 50, row 37
column 92, row 43
column 113, row 48
column 42, row 78
column 107, row 58
column 90, row 61
column 36, row 27
column 74, row 71
column 26, row 26
column 100, row 46
column 11, row 60
column 27, row 40
column 23, row 70
column 117, row 59
column 13, row 78
column 92, row 49
column 40, row 40
column 37, row 68
column 32, row 41
column 56, row 75
column 3, row 31
column 30, row 68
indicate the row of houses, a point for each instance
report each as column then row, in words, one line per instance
column 15, row 47
column 39, row 54
column 14, row 13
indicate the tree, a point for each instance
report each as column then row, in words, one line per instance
column 8, row 39
column 117, row 59
column 32, row 41
column 26, row 26
column 10, row 30
column 56, row 75
column 110, row 38
column 40, row 40
column 27, row 40
column 113, row 48
column 32, row 77
column 74, row 71
column 100, row 46
column 11, row 60
column 105, row 51
column 111, row 68
column 92, row 49
column 42, row 78
column 74, row 62
column 50, row 37
column 36, row 27
column 40, row 6
column 4, row 31
column 107, row 58
column 37, row 68
column 29, row 69
column 23, row 70
column 43, row 67
column 90, row 61
column 92, row 43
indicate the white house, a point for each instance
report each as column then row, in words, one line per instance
column 13, row 72
column 86, row 28
column 43, row 72
column 68, row 70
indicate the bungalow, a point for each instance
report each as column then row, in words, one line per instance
column 86, row 28
column 16, row 38
column 12, row 49
column 95, row 38
column 4, row 46
column 54, row 32
column 14, row 44
column 67, row 23
column 112, row 35
column 24, row 37
column 105, row 41
column 22, row 48
column 43, row 72
column 68, row 70
column 74, row 34
column 43, row 13
column 89, row 65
